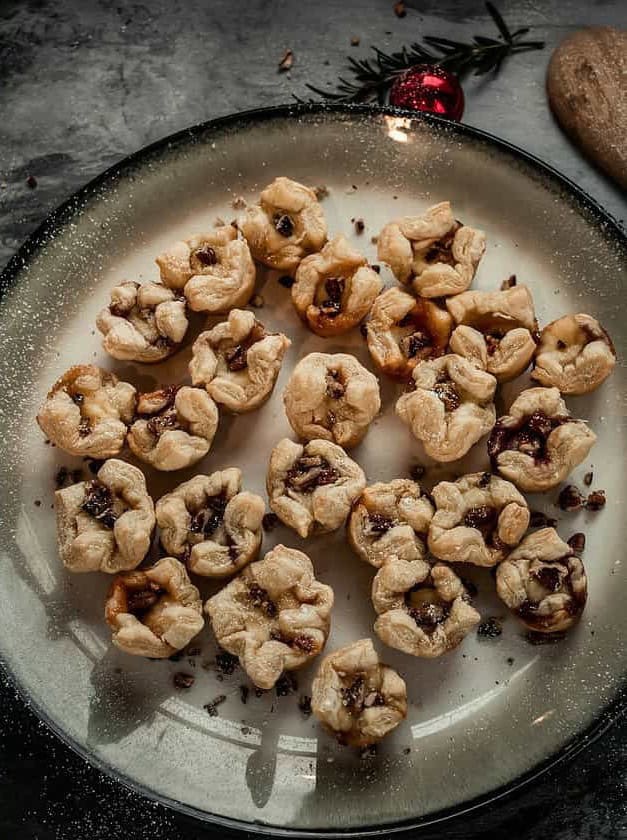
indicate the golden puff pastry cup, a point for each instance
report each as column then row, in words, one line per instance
column 238, row 362
column 154, row 612
column 274, row 616
column 215, row 270
column 174, row 427
column 286, row 225
column 105, row 525
column 478, row 519
column 495, row 329
column 87, row 412
column 390, row 519
column 575, row 354
column 311, row 487
column 331, row 397
column 451, row 406
column 538, row 444
column 143, row 323
column 210, row 524
column 433, row 253
column 422, row 610
column 543, row 582
column 335, row 288
column 403, row 330
column 357, row 698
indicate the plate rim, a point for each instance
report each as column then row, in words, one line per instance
column 56, row 220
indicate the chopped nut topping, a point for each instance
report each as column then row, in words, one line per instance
column 596, row 500
column 570, row 498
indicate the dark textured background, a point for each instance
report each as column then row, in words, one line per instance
column 85, row 82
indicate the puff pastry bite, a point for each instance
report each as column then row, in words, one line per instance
column 105, row 525
column 496, row 330
column 390, row 519
column 538, row 443
column 543, row 583
column 478, row 519
column 434, row 253
column 174, row 428
column 154, row 612
column 210, row 524
column 356, row 697
column 332, row 397
column 238, row 361
column 215, row 270
column 334, row 288
column 422, row 610
column 274, row 616
column 87, row 412
column 403, row 331
column 312, row 487
column 451, row 407
column 575, row 355
column 143, row 323
column 286, row 225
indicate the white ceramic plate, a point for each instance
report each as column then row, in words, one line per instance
column 481, row 719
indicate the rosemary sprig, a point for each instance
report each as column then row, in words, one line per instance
column 373, row 78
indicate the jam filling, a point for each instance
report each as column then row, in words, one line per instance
column 310, row 472
column 139, row 601
column 207, row 520
column 413, row 345
column 304, row 643
column 84, row 427
column 165, row 417
column 260, row 599
column 420, row 342
column 205, row 255
column 428, row 616
column 449, row 395
column 379, row 524
column 120, row 309
column 236, row 357
column 332, row 305
column 427, row 609
column 492, row 340
column 98, row 502
column 552, row 578
column 356, row 697
column 549, row 577
column 441, row 251
column 529, row 436
column 283, row 224
column 166, row 420
column 335, row 387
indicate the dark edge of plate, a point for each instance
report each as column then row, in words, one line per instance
column 56, row 220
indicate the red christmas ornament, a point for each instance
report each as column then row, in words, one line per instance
column 428, row 87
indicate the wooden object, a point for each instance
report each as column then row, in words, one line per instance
column 587, row 89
